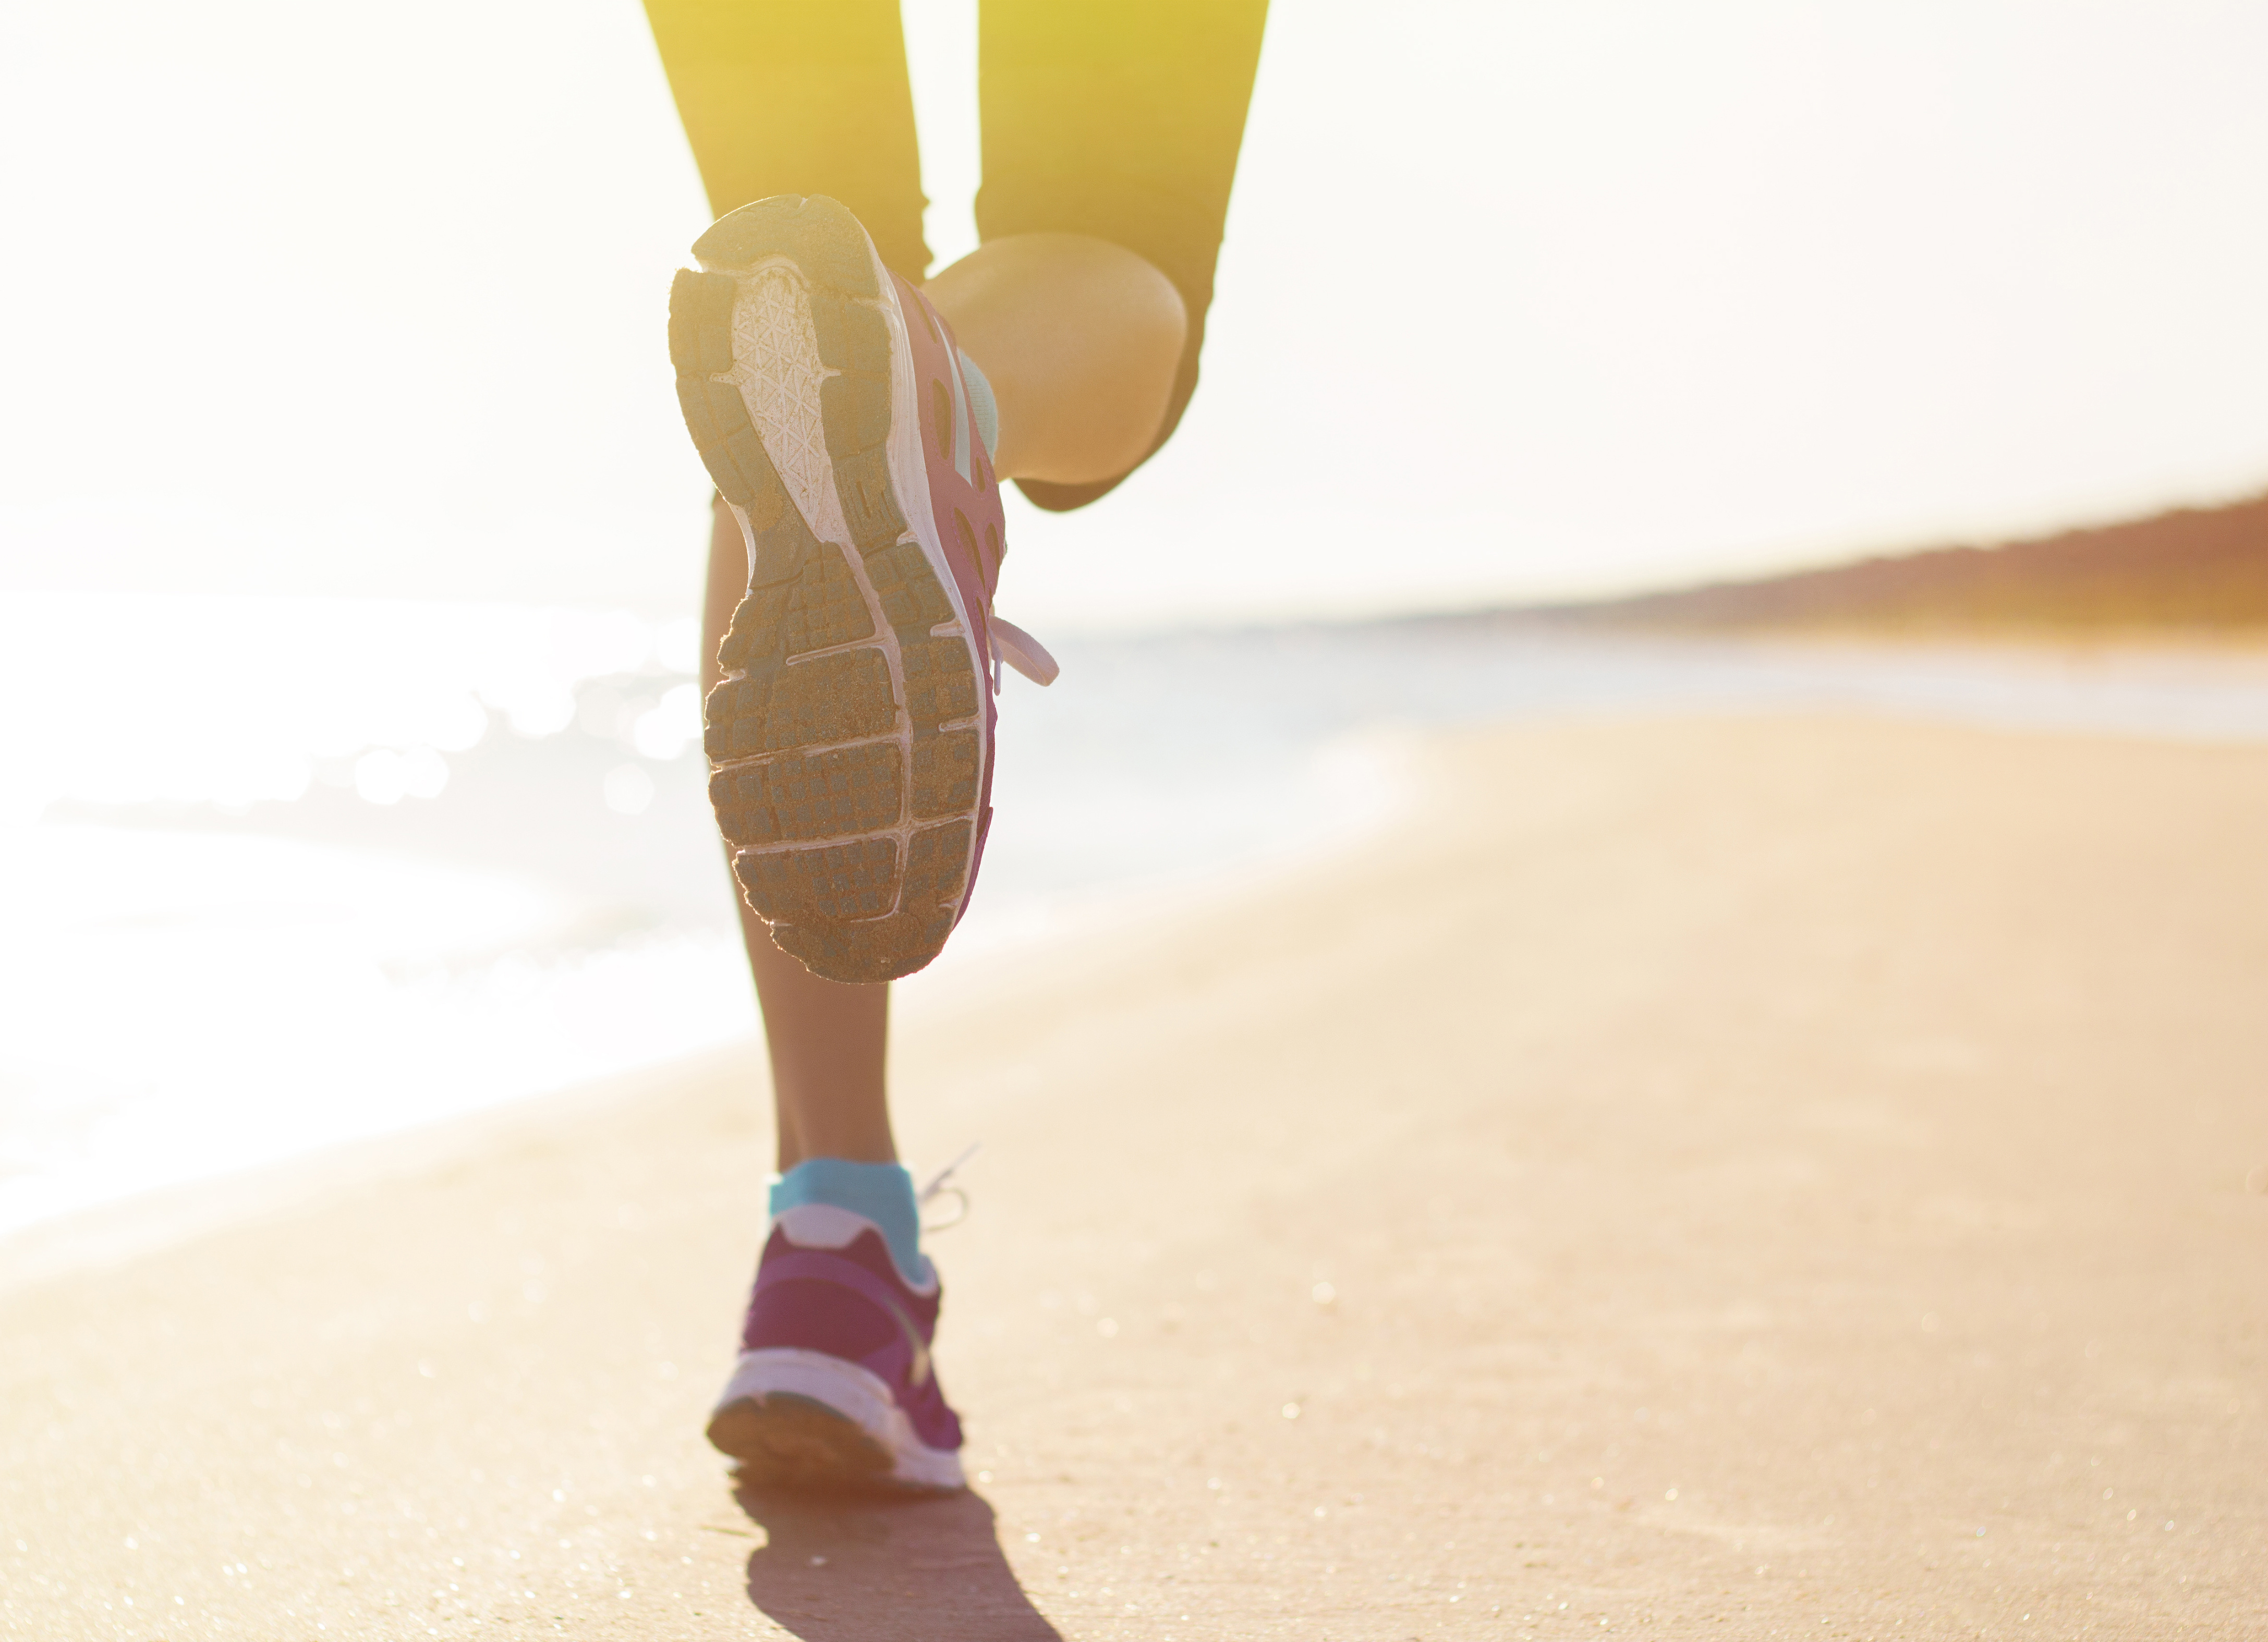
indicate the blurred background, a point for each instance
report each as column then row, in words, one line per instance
column 349, row 541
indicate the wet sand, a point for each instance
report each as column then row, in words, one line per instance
column 1803, row 1176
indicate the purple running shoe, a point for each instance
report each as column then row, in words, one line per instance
column 834, row 1387
column 851, row 736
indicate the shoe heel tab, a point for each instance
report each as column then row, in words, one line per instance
column 822, row 1225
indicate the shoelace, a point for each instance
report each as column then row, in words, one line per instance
column 1021, row 650
column 939, row 1185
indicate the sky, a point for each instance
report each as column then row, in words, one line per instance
column 1519, row 300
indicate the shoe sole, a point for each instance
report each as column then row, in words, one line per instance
column 802, row 1419
column 848, row 737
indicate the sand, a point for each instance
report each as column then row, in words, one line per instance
column 1795, row 1176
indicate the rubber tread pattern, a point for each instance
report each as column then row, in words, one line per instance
column 912, row 597
column 700, row 332
column 700, row 321
column 944, row 775
column 839, row 882
column 937, row 867
column 819, row 608
column 844, row 698
column 941, row 683
column 856, row 412
column 823, row 238
column 743, row 802
column 870, row 507
column 851, row 337
column 866, row 952
column 813, row 795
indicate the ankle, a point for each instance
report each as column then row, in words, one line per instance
column 880, row 1193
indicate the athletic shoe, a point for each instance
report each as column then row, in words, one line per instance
column 851, row 736
column 834, row 1387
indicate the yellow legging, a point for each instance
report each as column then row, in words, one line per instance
column 1115, row 118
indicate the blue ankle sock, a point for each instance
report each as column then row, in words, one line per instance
column 883, row 1192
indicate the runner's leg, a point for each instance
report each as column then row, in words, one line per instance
column 1120, row 119
column 827, row 1040
column 802, row 97
column 1089, row 337
column 1109, row 127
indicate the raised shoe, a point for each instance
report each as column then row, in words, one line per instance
column 851, row 736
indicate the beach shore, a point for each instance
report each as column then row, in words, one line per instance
column 1772, row 1176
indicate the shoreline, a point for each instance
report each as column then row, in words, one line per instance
column 155, row 1220
column 148, row 1217
column 1394, row 757
column 1707, row 1171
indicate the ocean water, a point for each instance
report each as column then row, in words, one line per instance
column 280, row 872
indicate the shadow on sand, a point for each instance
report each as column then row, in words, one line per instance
column 853, row 1568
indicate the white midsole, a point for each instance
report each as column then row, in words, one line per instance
column 855, row 1393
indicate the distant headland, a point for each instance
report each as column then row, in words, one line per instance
column 2199, row 572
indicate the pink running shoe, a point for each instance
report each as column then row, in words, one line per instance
column 834, row 1387
column 851, row 736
